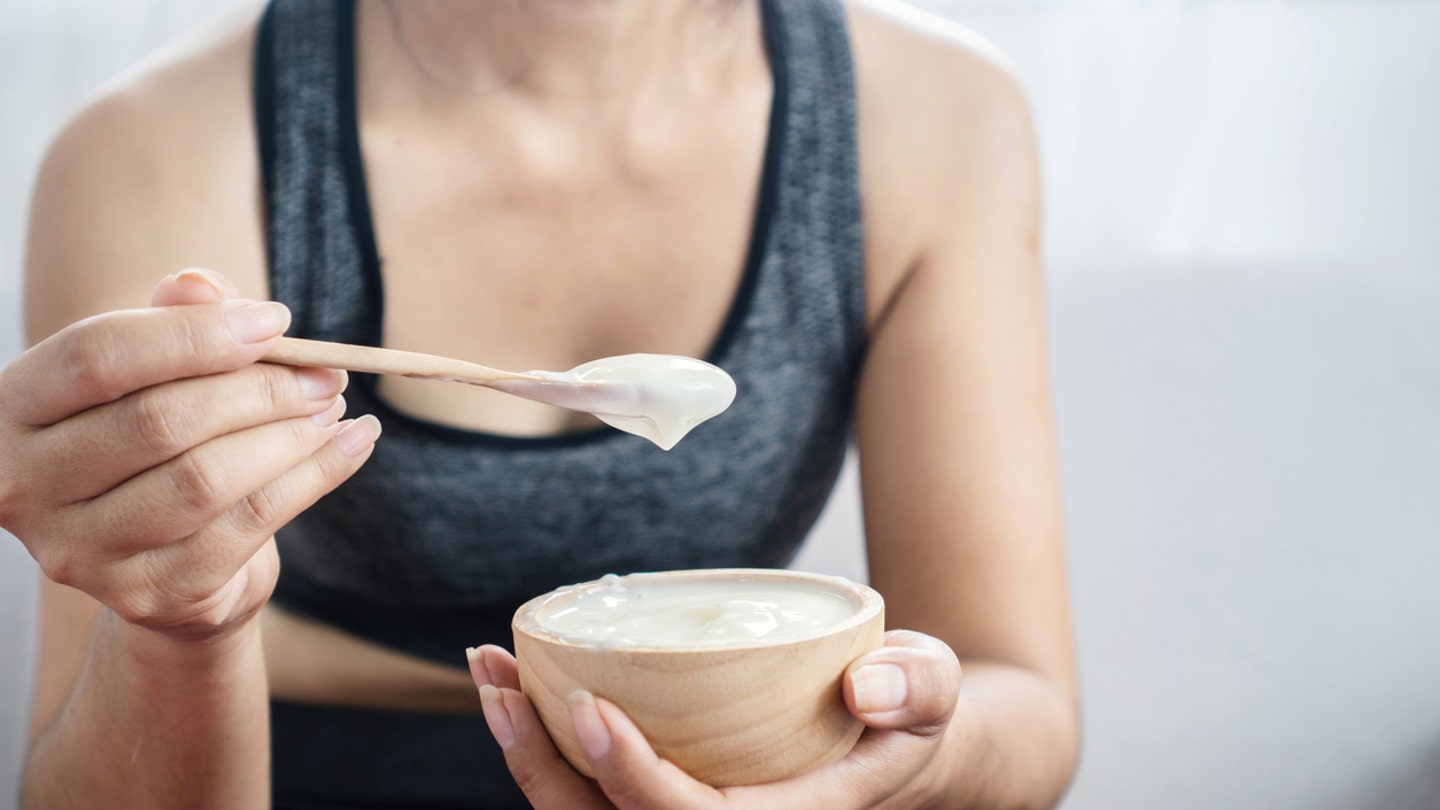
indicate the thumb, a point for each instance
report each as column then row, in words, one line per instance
column 193, row 285
column 909, row 684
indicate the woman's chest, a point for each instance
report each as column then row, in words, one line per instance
column 545, row 258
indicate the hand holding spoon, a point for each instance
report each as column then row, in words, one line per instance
column 658, row 396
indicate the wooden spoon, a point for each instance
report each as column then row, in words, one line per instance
column 659, row 397
column 373, row 360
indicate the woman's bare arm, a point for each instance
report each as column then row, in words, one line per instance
column 958, row 467
column 150, row 683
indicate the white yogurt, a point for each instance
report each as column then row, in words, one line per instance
column 661, row 397
column 613, row 612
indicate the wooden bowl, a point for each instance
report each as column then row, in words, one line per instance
column 737, row 714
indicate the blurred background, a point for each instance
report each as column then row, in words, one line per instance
column 1243, row 243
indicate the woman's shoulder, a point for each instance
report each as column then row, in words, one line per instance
column 944, row 128
column 913, row 67
column 154, row 172
column 191, row 89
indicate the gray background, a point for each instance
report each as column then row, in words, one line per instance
column 1244, row 262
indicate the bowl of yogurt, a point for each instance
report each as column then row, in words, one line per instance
column 732, row 674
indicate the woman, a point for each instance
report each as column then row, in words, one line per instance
column 532, row 185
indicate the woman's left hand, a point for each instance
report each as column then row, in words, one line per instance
column 904, row 692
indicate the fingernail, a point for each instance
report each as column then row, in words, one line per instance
column 354, row 438
column 252, row 322
column 478, row 671
column 332, row 414
column 319, row 383
column 200, row 275
column 492, row 703
column 878, row 688
column 590, row 730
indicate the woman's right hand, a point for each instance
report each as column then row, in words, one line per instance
column 147, row 459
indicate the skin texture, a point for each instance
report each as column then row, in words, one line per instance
column 159, row 458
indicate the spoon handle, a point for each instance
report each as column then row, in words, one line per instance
column 370, row 359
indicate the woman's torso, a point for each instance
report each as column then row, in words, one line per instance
column 310, row 661
column 717, row 217
column 585, row 252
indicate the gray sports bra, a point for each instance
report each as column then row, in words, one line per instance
column 435, row 542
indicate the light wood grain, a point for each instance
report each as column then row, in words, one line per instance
column 370, row 359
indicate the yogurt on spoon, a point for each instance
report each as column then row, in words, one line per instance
column 661, row 397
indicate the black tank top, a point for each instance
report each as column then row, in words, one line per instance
column 432, row 545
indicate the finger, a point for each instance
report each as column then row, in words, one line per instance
column 503, row 669
column 912, row 683
column 876, row 773
column 175, row 499
column 478, row 673
column 627, row 768
column 493, row 665
column 104, row 358
column 907, row 720
column 203, row 562
column 97, row 449
column 543, row 775
column 265, row 510
column 193, row 285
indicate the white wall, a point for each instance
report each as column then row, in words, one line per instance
column 1245, row 267
column 1244, row 242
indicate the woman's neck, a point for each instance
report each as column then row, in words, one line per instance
column 563, row 50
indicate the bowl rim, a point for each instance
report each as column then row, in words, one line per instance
column 871, row 603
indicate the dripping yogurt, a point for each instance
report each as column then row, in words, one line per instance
column 660, row 397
